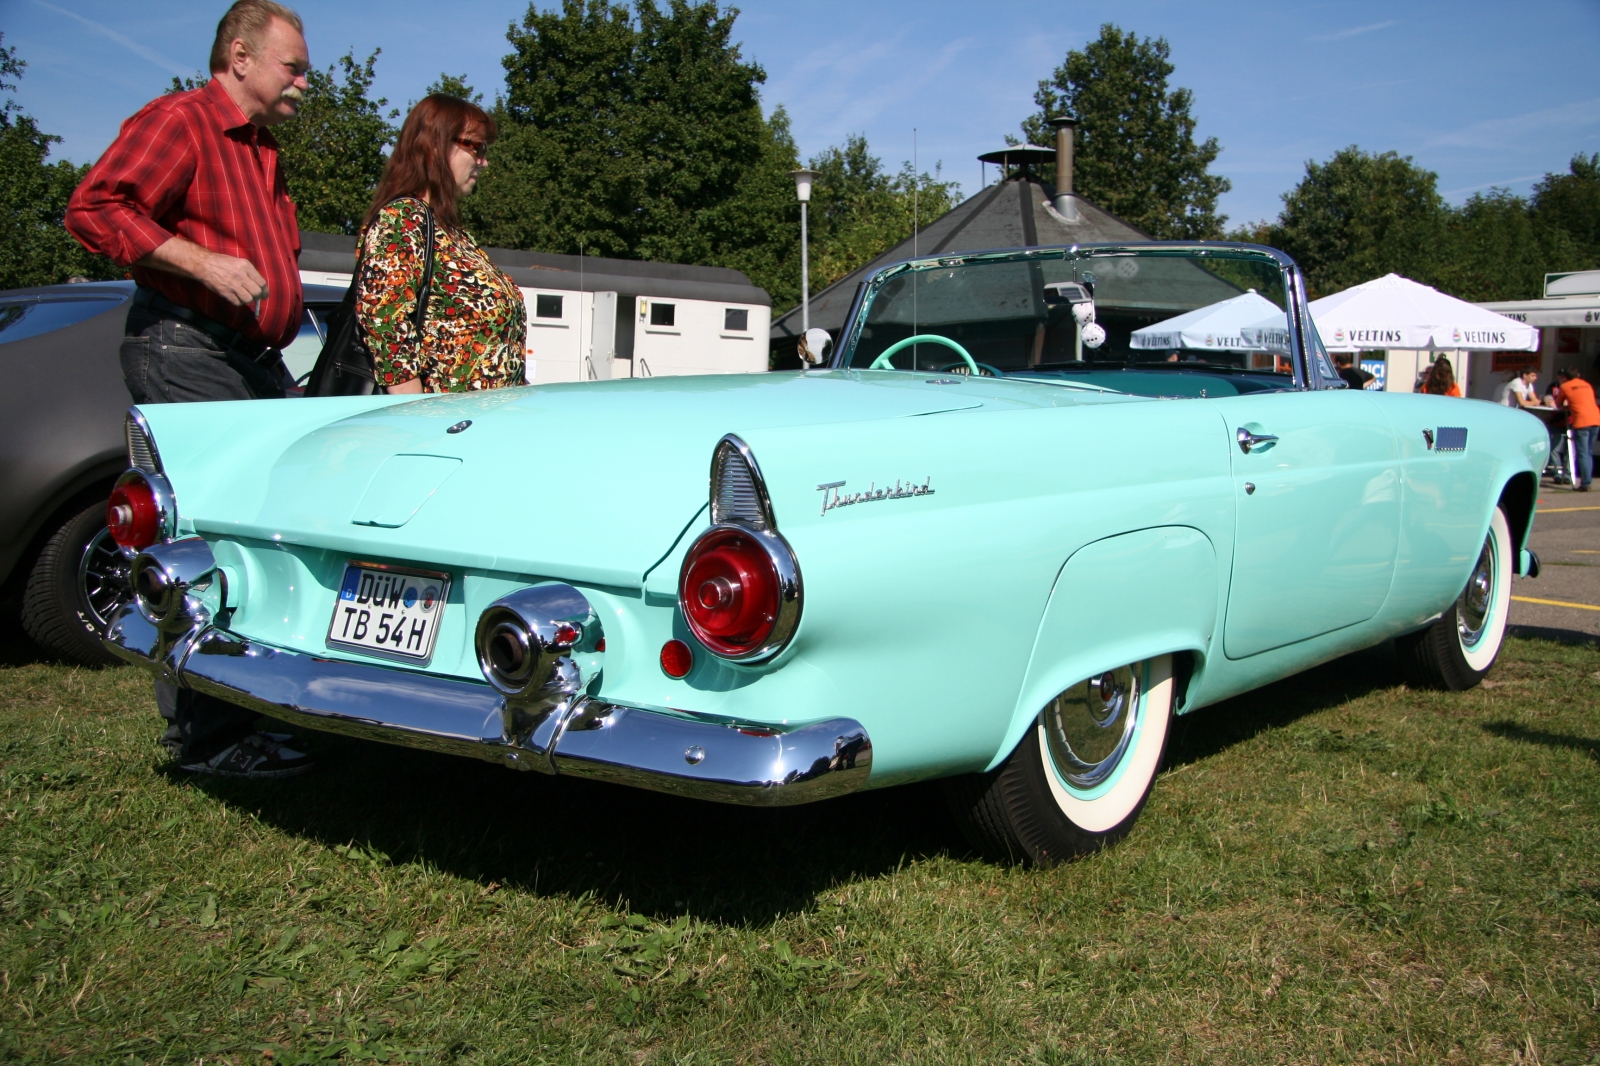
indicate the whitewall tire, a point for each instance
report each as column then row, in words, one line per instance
column 1081, row 774
column 1457, row 650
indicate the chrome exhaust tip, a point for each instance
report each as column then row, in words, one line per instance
column 163, row 577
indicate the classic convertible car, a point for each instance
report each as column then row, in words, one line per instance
column 1001, row 534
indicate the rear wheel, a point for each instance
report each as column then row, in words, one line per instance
column 1458, row 649
column 79, row 579
column 1081, row 774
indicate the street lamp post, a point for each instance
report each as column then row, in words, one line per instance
column 802, row 188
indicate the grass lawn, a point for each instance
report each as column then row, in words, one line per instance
column 1334, row 869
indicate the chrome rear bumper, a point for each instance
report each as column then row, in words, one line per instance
column 685, row 754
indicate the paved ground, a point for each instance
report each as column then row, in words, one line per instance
column 1566, row 535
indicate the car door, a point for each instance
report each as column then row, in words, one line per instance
column 1317, row 487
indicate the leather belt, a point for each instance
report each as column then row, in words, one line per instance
column 231, row 339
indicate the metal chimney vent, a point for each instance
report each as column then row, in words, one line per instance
column 1066, row 128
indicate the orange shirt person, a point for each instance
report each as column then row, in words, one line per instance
column 1583, row 421
column 1441, row 379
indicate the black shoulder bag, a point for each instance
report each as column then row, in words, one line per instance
column 345, row 366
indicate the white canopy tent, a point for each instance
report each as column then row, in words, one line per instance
column 1247, row 322
column 1396, row 312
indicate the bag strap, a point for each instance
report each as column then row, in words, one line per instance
column 425, row 290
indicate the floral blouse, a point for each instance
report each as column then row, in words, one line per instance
column 476, row 324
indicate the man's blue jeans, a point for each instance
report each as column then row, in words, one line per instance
column 1583, row 445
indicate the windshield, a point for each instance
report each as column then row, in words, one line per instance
column 1149, row 321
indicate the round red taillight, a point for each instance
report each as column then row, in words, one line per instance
column 132, row 515
column 731, row 592
column 677, row 658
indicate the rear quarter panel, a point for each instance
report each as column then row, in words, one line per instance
column 921, row 613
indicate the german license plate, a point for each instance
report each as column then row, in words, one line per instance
column 385, row 610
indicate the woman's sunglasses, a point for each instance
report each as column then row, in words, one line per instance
column 479, row 149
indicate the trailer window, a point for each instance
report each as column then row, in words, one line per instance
column 663, row 314
column 545, row 306
column 736, row 320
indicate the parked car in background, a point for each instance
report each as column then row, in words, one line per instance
column 1000, row 536
column 61, row 448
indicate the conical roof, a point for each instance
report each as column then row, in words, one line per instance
column 1016, row 213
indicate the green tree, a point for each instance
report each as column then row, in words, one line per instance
column 639, row 134
column 858, row 210
column 1359, row 216
column 1570, row 203
column 1136, row 155
column 34, row 245
column 35, row 248
column 333, row 150
column 1495, row 248
column 453, row 85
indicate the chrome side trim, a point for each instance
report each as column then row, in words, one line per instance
column 683, row 754
column 142, row 453
column 721, row 511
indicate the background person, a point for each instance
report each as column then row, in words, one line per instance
column 191, row 196
column 1354, row 377
column 1521, row 391
column 1441, row 379
column 475, row 325
column 1583, row 423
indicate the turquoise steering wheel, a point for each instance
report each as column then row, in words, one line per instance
column 882, row 362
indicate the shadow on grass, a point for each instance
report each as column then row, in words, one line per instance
column 1214, row 729
column 1513, row 731
column 1560, row 636
column 654, row 854
column 663, row 855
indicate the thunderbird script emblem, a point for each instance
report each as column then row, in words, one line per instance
column 832, row 497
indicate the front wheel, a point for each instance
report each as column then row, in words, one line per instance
column 1458, row 649
column 1081, row 774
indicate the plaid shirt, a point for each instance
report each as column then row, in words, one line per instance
column 189, row 164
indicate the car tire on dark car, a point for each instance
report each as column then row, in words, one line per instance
column 77, row 580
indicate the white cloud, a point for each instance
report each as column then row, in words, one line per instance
column 170, row 66
column 1500, row 133
column 1354, row 31
column 1502, row 183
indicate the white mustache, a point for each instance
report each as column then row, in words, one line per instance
column 292, row 93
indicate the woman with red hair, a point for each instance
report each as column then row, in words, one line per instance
column 473, row 323
column 1441, row 380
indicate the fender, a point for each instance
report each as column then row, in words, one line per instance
column 1116, row 601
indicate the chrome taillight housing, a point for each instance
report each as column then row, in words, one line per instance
column 739, row 588
column 141, row 511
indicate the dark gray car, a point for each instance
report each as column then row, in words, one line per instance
column 61, row 447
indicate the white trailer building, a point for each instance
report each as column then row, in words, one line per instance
column 594, row 318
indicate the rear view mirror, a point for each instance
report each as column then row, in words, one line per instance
column 815, row 347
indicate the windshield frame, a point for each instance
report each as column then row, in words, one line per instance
column 1306, row 375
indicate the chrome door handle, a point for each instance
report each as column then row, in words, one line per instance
column 1248, row 440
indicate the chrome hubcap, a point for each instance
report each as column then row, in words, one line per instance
column 1472, row 609
column 103, row 579
column 1089, row 727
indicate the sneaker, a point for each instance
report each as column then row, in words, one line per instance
column 259, row 755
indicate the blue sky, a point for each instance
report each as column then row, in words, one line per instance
column 1484, row 94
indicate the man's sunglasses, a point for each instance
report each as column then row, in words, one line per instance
column 479, row 149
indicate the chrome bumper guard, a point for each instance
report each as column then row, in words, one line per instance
column 686, row 754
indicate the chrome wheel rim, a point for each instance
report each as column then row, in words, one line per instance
column 1477, row 599
column 1090, row 727
column 103, row 579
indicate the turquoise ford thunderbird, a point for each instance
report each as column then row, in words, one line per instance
column 1022, row 510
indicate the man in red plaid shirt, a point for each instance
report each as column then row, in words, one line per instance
column 192, row 198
